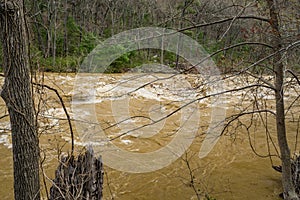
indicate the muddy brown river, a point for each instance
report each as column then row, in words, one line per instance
column 238, row 166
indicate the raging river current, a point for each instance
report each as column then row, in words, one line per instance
column 143, row 113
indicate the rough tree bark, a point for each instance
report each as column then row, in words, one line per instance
column 17, row 95
column 287, row 183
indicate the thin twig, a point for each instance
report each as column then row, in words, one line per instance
column 225, row 20
column 4, row 116
column 294, row 75
column 190, row 103
column 65, row 110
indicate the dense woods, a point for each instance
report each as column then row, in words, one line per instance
column 253, row 38
column 237, row 33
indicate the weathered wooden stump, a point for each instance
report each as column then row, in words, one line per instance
column 78, row 179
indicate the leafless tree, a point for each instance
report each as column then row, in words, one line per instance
column 17, row 95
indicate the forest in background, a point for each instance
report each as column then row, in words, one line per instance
column 63, row 32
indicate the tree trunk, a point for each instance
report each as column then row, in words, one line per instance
column 66, row 28
column 53, row 30
column 287, row 183
column 18, row 98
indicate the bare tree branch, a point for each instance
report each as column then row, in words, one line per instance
column 261, row 79
column 233, row 20
column 4, row 116
column 189, row 103
column 65, row 110
column 225, row 20
column 294, row 75
column 236, row 116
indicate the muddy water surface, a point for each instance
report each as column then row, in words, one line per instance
column 230, row 171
